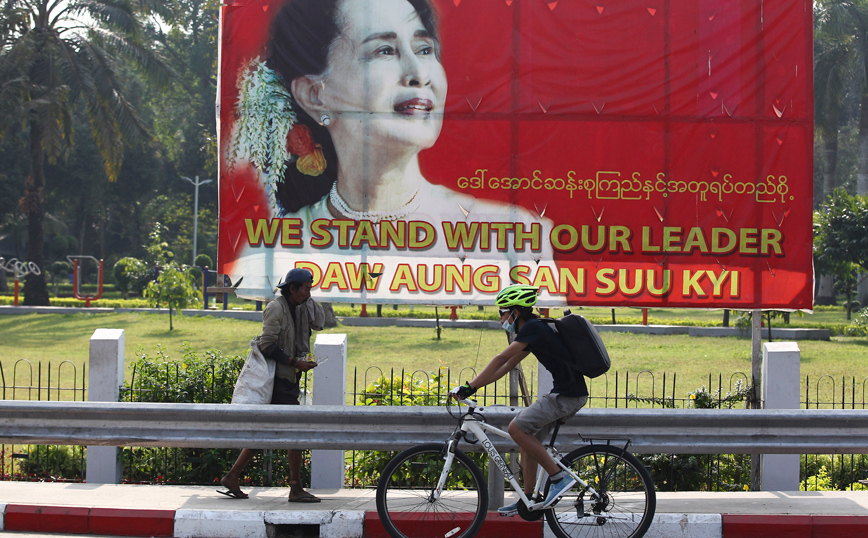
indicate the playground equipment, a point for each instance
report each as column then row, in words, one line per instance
column 19, row 269
column 76, row 280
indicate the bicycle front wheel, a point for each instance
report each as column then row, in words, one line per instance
column 409, row 507
column 623, row 503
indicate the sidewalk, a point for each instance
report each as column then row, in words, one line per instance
column 198, row 511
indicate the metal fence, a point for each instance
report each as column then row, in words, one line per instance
column 63, row 381
column 836, row 471
column 374, row 386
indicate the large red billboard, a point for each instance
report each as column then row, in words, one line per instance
column 625, row 153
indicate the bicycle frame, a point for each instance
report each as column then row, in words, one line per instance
column 471, row 424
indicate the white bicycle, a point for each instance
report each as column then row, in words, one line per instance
column 435, row 490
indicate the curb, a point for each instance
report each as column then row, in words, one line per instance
column 361, row 524
column 80, row 520
column 807, row 526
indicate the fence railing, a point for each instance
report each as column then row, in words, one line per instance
column 65, row 381
column 676, row 431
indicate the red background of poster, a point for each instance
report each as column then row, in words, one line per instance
column 715, row 92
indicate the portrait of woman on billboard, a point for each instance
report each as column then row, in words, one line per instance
column 334, row 118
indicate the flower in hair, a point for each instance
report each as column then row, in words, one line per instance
column 310, row 160
column 266, row 131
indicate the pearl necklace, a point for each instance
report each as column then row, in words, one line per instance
column 374, row 216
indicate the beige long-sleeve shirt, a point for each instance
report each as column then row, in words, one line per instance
column 291, row 335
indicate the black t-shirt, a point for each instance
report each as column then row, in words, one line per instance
column 550, row 351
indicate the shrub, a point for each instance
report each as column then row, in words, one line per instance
column 409, row 390
column 209, row 378
column 702, row 472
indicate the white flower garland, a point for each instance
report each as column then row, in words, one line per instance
column 264, row 119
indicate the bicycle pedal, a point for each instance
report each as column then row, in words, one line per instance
column 507, row 514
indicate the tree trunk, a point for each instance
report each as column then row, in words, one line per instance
column 33, row 205
column 862, row 162
column 825, row 290
column 830, row 161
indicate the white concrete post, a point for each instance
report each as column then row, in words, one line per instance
column 780, row 390
column 328, row 467
column 105, row 379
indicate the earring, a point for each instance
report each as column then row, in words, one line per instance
column 325, row 119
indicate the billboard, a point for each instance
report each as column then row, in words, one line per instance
column 611, row 153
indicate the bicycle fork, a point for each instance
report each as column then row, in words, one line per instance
column 449, row 449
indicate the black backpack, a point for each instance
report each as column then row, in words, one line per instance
column 588, row 355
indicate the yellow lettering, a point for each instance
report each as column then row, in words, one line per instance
column 664, row 289
column 749, row 240
column 343, row 226
column 723, row 240
column 422, row 278
column 574, row 281
column 313, row 268
column 771, row 239
column 624, row 276
column 322, row 237
column 531, row 236
column 290, row 235
column 403, row 278
column 334, row 276
column 695, row 239
column 671, row 239
column 607, row 284
column 364, row 234
column 691, row 284
column 422, row 235
column 264, row 231
column 571, row 241
column 361, row 275
column 518, row 274
column 620, row 235
column 586, row 239
column 393, row 233
column 485, row 278
column 459, row 233
column 646, row 241
column 716, row 282
column 545, row 279
column 462, row 276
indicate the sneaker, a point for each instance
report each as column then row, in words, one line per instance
column 509, row 509
column 556, row 490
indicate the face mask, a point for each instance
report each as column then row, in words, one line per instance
column 508, row 326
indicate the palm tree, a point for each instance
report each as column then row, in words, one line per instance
column 833, row 72
column 845, row 23
column 56, row 55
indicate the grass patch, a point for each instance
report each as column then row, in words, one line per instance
column 641, row 361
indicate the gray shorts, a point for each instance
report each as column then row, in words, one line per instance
column 540, row 418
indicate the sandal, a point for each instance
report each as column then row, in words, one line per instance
column 234, row 493
column 305, row 498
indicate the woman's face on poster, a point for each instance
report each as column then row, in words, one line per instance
column 384, row 79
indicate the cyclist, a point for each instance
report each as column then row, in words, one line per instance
column 533, row 424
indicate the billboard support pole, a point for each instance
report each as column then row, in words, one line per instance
column 756, row 380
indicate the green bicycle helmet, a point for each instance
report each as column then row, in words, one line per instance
column 516, row 295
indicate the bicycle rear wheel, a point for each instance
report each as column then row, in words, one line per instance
column 623, row 506
column 405, row 501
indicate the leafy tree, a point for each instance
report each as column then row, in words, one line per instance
column 840, row 241
column 841, row 230
column 53, row 56
column 58, row 271
column 131, row 274
column 174, row 288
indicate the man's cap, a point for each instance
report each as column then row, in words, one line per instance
column 296, row 276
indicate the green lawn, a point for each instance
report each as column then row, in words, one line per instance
column 639, row 361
